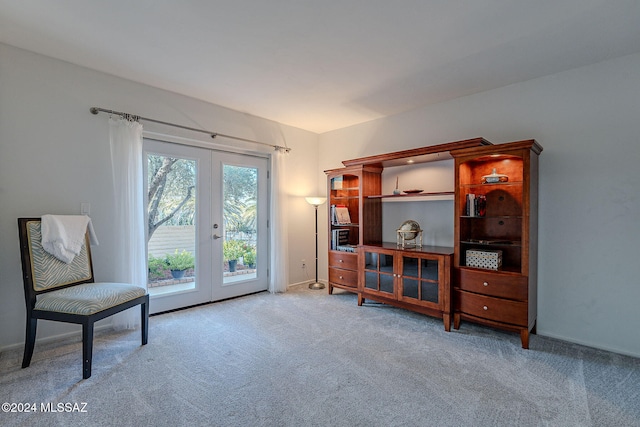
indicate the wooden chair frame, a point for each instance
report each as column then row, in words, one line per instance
column 87, row 321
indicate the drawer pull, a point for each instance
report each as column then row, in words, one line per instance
column 341, row 277
column 486, row 284
column 485, row 307
column 340, row 260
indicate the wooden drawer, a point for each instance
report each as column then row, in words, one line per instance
column 343, row 277
column 510, row 286
column 343, row 260
column 496, row 309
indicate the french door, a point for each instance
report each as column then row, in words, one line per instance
column 207, row 236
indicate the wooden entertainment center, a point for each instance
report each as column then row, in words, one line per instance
column 435, row 280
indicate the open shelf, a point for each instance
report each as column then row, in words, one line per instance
column 491, row 242
column 430, row 196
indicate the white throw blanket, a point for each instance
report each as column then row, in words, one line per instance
column 63, row 235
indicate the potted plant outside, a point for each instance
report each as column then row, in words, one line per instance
column 249, row 256
column 179, row 262
column 232, row 251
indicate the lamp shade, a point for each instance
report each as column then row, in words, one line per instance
column 315, row 201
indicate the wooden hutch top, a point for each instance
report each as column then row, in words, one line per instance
column 416, row 155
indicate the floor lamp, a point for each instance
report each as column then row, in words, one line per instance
column 316, row 201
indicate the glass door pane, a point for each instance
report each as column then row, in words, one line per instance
column 379, row 275
column 240, row 211
column 171, row 223
column 420, row 279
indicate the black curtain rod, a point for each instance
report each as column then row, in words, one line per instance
column 96, row 110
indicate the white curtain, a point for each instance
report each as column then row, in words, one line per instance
column 279, row 277
column 125, row 137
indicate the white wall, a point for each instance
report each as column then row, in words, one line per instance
column 588, row 122
column 54, row 155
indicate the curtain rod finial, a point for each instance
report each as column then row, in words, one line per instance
column 94, row 110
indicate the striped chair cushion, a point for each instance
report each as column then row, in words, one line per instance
column 88, row 298
column 48, row 271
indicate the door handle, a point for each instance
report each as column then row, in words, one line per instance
column 215, row 236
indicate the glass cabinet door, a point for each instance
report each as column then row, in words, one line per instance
column 419, row 279
column 378, row 271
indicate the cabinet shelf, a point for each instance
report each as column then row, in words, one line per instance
column 352, row 224
column 437, row 195
column 481, row 242
column 493, row 185
column 412, row 195
column 491, row 217
column 505, row 269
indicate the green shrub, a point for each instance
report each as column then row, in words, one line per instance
column 249, row 255
column 180, row 260
column 157, row 267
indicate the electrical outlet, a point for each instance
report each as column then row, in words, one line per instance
column 304, row 263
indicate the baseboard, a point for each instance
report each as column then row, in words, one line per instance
column 547, row 334
column 305, row 283
column 52, row 338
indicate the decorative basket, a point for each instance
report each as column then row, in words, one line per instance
column 491, row 260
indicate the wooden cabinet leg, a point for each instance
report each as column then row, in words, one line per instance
column 456, row 320
column 524, row 337
column 330, row 289
column 446, row 318
column 360, row 299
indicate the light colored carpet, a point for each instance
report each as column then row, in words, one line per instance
column 305, row 358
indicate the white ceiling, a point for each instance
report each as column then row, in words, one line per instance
column 325, row 64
